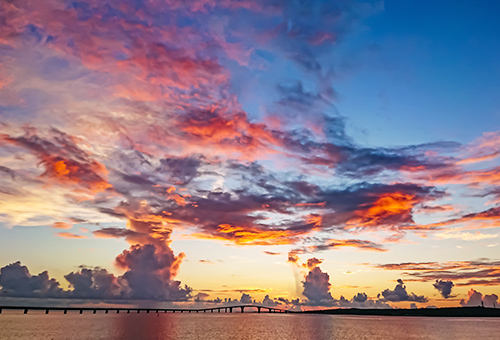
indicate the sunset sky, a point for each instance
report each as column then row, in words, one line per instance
column 303, row 154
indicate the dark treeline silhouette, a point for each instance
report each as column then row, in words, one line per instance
column 440, row 312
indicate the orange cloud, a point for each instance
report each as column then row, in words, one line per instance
column 87, row 175
column 387, row 206
column 70, row 235
column 252, row 235
column 61, row 225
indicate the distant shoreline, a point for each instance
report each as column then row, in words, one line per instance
column 429, row 312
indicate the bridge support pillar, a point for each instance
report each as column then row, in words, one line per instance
column 95, row 311
column 147, row 311
column 106, row 311
column 242, row 309
column 81, row 311
column 258, row 309
column 218, row 310
column 211, row 311
column 230, row 309
column 128, row 311
column 157, row 311
column 117, row 311
column 270, row 311
column 26, row 311
column 65, row 311
column 46, row 311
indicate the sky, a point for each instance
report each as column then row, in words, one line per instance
column 300, row 154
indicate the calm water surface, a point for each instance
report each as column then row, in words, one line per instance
column 239, row 326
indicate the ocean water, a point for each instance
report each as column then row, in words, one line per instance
column 36, row 325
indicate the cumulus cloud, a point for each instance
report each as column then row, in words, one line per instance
column 400, row 294
column 245, row 298
column 150, row 273
column 200, row 296
column 312, row 262
column 94, row 283
column 149, row 277
column 317, row 287
column 476, row 298
column 444, row 287
column 269, row 302
column 16, row 281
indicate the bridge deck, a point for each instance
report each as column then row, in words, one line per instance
column 225, row 309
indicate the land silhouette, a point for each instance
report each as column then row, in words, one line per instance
column 425, row 312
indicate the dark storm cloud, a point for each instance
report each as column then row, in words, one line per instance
column 16, row 281
column 317, row 287
column 400, row 294
column 149, row 274
column 444, row 287
column 94, row 283
column 245, row 298
column 269, row 302
column 360, row 297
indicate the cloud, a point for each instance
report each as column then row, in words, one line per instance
column 271, row 253
column 462, row 273
column 94, row 283
column 200, row 296
column 464, row 236
column 71, row 236
column 317, row 287
column 475, row 298
column 360, row 244
column 61, row 225
column 206, row 261
column 400, row 294
column 165, row 142
column 312, row 263
column 149, row 276
column 269, row 302
column 16, row 281
column 245, row 298
column 64, row 160
column 149, row 273
column 444, row 287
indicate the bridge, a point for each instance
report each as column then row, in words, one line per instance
column 106, row 310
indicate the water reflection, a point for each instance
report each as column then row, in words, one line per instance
column 239, row 326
